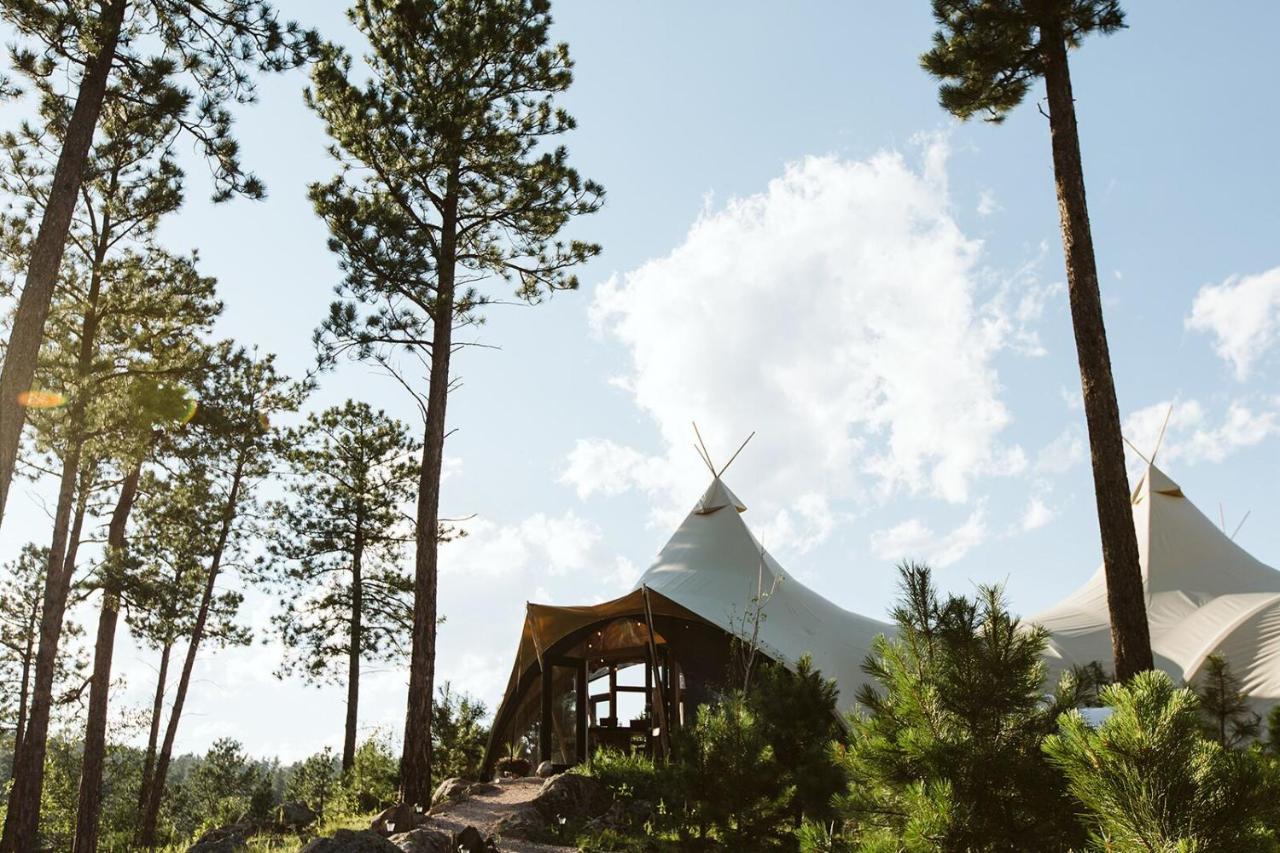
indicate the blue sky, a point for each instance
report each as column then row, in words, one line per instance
column 797, row 241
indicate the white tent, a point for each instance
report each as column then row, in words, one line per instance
column 1205, row 594
column 714, row 566
column 707, row 576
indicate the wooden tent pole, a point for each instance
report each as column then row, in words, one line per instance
column 659, row 707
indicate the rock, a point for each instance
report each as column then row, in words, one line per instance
column 639, row 812
column 471, row 840
column 615, row 817
column 423, row 840
column 295, row 814
column 546, row 770
column 525, row 823
column 225, row 839
column 399, row 818
column 518, row 767
column 482, row 789
column 231, row 843
column 352, row 841
column 450, row 790
column 572, row 797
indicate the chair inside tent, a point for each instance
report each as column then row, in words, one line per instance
column 661, row 649
column 1205, row 594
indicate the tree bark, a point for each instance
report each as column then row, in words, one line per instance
column 1126, row 599
column 89, row 808
column 155, row 794
column 27, row 334
column 157, row 708
column 22, row 820
column 415, row 762
column 24, row 692
column 356, row 640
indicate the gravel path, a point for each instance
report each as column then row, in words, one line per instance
column 484, row 810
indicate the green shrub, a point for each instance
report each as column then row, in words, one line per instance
column 1224, row 707
column 798, row 717
column 947, row 754
column 730, row 779
column 1151, row 781
column 458, row 735
column 631, row 776
column 373, row 782
column 314, row 781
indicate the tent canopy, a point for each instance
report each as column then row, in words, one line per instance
column 710, row 572
column 1204, row 594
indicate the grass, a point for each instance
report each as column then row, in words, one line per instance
column 292, row 843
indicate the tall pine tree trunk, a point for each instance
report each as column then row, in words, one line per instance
column 415, row 762
column 1130, row 633
column 155, row 793
column 356, row 642
column 153, row 736
column 24, row 692
column 95, row 734
column 23, row 817
column 27, row 334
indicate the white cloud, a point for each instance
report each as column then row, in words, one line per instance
column 600, row 466
column 840, row 314
column 1242, row 314
column 1037, row 515
column 1192, row 436
column 987, row 203
column 913, row 539
column 800, row 529
column 1066, row 451
column 558, row 544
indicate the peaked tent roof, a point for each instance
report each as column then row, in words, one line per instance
column 710, row 570
column 715, row 567
column 1204, row 594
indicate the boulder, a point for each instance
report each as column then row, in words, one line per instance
column 450, row 790
column 231, row 838
column 224, row 844
column 352, row 841
column 295, row 814
column 423, row 840
column 525, row 823
column 397, row 819
column 471, row 840
column 482, row 789
column 572, row 797
column 546, row 770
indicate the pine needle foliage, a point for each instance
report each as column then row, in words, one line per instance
column 1229, row 718
column 988, row 52
column 1150, row 780
column 946, row 754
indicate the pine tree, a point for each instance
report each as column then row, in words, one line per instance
column 947, row 750
column 335, row 545
column 124, row 326
column 458, row 735
column 1150, row 780
column 1229, row 718
column 168, row 548
column 438, row 196
column 987, row 53
column 205, row 51
column 21, row 597
column 228, row 449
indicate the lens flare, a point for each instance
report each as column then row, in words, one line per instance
column 264, row 420
column 190, row 413
column 37, row 399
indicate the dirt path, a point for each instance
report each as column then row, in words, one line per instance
column 484, row 810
